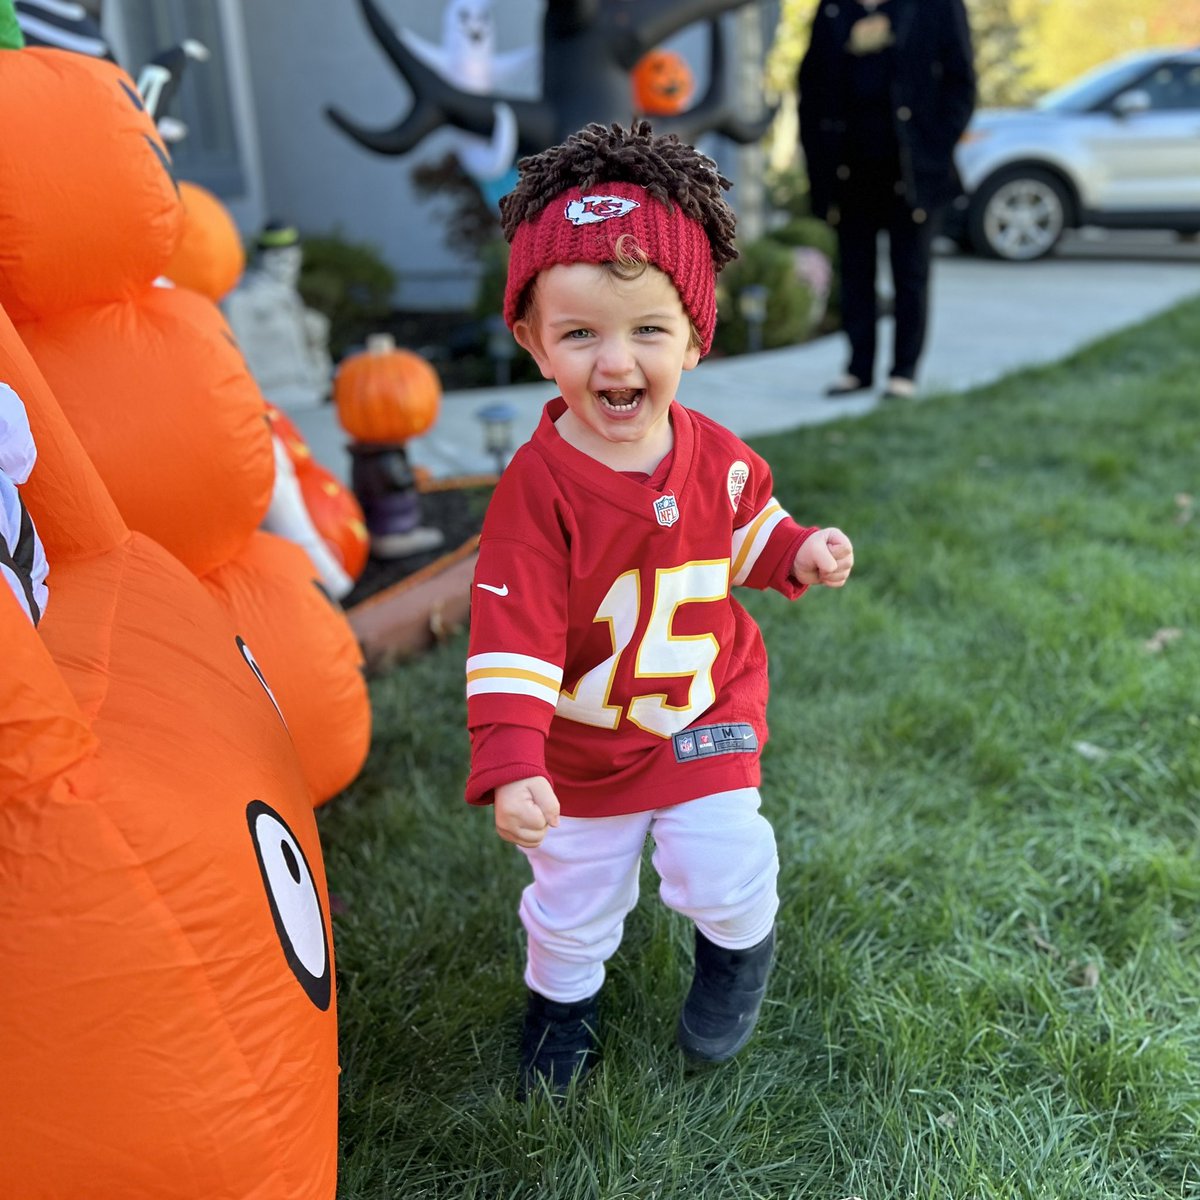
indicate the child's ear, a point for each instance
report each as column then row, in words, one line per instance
column 528, row 337
column 691, row 356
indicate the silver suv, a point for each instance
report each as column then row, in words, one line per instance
column 1119, row 148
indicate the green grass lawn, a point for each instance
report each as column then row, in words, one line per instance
column 984, row 774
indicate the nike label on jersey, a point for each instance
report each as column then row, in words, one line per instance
column 703, row 741
column 491, row 587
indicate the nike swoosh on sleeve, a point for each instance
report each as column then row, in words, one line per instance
column 491, row 587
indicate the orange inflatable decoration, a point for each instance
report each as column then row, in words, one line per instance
column 269, row 591
column 150, row 377
column 209, row 257
column 662, row 84
column 167, row 1023
column 152, row 387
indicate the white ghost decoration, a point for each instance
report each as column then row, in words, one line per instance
column 467, row 59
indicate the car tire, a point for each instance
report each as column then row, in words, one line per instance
column 1018, row 214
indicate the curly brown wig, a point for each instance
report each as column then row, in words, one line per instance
column 673, row 172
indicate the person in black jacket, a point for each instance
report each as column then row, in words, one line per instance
column 886, row 90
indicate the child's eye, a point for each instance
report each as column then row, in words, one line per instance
column 649, row 329
column 577, row 334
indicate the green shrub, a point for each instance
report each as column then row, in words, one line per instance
column 807, row 231
column 493, row 275
column 350, row 283
column 787, row 191
column 770, row 264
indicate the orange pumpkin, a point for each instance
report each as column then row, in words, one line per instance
column 337, row 515
column 662, row 83
column 385, row 394
column 209, row 257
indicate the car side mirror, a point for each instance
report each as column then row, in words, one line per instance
column 1130, row 103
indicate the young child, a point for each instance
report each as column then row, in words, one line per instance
column 614, row 687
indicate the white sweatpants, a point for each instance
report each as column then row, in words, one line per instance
column 715, row 858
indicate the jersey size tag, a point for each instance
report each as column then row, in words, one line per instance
column 703, row 741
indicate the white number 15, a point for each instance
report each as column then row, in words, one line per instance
column 661, row 654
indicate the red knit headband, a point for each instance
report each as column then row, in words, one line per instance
column 582, row 225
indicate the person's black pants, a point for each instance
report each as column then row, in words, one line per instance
column 910, row 245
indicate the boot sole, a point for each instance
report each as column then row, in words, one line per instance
column 709, row 1050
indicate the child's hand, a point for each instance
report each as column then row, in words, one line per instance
column 826, row 557
column 524, row 809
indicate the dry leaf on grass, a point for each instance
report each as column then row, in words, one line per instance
column 1161, row 638
column 1040, row 942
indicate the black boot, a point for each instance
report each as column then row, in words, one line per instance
column 727, row 991
column 558, row 1043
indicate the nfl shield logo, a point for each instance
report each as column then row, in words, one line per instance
column 666, row 510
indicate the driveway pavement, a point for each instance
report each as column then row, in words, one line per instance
column 987, row 319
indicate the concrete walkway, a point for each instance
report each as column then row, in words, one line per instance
column 987, row 319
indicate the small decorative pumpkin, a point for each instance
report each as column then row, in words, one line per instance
column 386, row 395
column 662, row 84
column 208, row 257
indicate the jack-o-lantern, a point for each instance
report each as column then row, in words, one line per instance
column 662, row 84
column 337, row 516
column 384, row 394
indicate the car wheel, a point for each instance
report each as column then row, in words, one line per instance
column 1018, row 215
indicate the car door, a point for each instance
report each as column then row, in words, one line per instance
column 1148, row 161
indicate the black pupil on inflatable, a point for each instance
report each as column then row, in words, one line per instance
column 289, row 859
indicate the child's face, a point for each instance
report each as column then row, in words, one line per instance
column 616, row 348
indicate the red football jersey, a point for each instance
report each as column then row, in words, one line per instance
column 606, row 651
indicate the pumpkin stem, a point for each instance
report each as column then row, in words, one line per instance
column 380, row 343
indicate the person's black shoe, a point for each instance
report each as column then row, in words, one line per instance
column 846, row 385
column 727, row 991
column 558, row 1044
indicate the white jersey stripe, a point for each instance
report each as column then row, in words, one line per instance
column 750, row 541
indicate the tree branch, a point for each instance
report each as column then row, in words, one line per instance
column 656, row 20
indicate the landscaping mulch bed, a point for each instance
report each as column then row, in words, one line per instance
column 401, row 606
column 456, row 507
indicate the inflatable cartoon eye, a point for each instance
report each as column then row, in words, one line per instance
column 252, row 663
column 295, row 905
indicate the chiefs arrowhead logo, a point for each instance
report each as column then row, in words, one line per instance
column 735, row 482
column 587, row 210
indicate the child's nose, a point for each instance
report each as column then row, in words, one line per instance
column 615, row 359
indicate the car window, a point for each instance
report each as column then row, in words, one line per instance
column 1173, row 86
column 1097, row 86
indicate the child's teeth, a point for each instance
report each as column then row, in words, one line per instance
column 621, row 399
